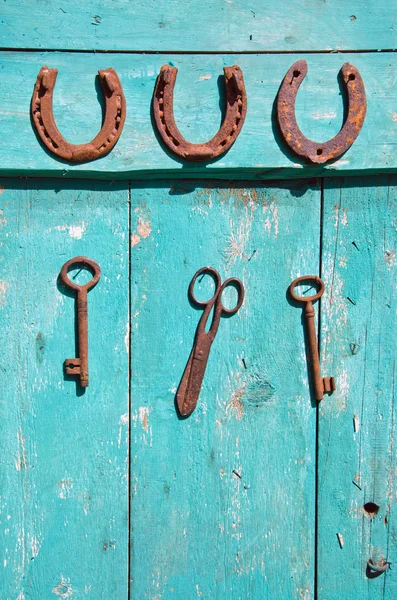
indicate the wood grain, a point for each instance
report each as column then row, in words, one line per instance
column 258, row 152
column 217, row 26
column 357, row 456
column 63, row 455
column 222, row 503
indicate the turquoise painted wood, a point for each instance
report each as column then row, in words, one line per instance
column 257, row 153
column 357, row 456
column 222, row 503
column 174, row 25
column 63, row 454
column 260, row 494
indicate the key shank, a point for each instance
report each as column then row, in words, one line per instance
column 321, row 385
column 313, row 351
column 82, row 324
column 79, row 366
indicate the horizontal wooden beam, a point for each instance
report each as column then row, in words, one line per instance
column 258, row 152
column 180, row 26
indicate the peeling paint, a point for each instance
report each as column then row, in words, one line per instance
column 144, row 228
column 317, row 114
column 236, row 405
column 135, row 239
column 21, row 459
column 77, row 231
column 127, row 338
column 3, row 290
column 272, row 222
column 65, row 488
column 390, row 258
column 144, row 417
column 3, row 220
column 64, row 588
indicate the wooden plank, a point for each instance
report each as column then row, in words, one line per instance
column 257, row 153
column 63, row 454
column 222, row 502
column 218, row 26
column 357, row 457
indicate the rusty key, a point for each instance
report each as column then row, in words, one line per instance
column 79, row 366
column 322, row 385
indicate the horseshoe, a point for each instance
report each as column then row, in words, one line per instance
column 334, row 148
column 43, row 118
column 163, row 110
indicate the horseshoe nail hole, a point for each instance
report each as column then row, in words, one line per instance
column 352, row 77
column 296, row 73
column 319, row 151
column 371, row 509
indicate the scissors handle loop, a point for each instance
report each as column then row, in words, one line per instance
column 219, row 289
column 238, row 285
column 217, row 279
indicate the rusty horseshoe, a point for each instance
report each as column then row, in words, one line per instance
column 113, row 122
column 334, row 148
column 163, row 111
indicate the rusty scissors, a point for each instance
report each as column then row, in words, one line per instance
column 190, row 385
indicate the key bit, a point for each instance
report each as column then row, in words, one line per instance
column 72, row 366
column 329, row 385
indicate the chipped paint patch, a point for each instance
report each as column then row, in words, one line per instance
column 65, row 488
column 343, row 389
column 3, row 220
column 394, row 117
column 236, row 405
column 124, row 419
column 35, row 545
column 2, row 188
column 390, row 258
column 205, row 76
column 272, row 221
column 127, row 338
column 123, row 422
column 324, row 115
column 77, row 231
column 64, row 588
column 21, row 460
column 144, row 228
column 3, row 290
column 144, row 417
column 135, row 239
column 239, row 238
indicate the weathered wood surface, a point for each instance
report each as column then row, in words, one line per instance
column 217, row 26
column 257, row 153
column 222, row 503
column 63, row 455
column 357, row 455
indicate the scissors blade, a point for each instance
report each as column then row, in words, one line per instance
column 189, row 389
column 183, row 386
